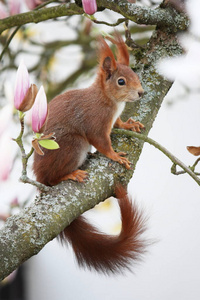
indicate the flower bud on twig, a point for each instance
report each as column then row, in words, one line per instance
column 39, row 110
column 89, row 6
column 25, row 92
column 22, row 84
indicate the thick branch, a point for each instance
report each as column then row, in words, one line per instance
column 24, row 235
column 140, row 15
column 147, row 16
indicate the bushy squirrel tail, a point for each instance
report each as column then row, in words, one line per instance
column 107, row 253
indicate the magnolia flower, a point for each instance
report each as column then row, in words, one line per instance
column 6, row 158
column 89, row 6
column 4, row 217
column 184, row 68
column 5, row 117
column 31, row 4
column 25, row 92
column 193, row 8
column 14, row 203
column 39, row 110
column 3, row 12
column 14, row 7
column 10, row 277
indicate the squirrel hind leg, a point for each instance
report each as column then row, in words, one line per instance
column 77, row 175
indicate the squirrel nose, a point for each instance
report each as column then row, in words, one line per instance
column 141, row 93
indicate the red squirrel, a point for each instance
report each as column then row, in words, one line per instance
column 81, row 118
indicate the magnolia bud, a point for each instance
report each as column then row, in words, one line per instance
column 22, row 85
column 39, row 110
column 89, row 6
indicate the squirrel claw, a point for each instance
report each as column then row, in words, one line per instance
column 77, row 175
column 122, row 153
column 133, row 125
column 123, row 160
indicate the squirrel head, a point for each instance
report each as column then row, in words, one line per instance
column 119, row 82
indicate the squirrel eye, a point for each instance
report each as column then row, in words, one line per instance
column 121, row 81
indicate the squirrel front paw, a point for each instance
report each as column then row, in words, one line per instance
column 119, row 157
column 77, row 175
column 133, row 125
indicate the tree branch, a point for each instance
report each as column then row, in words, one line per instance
column 143, row 15
column 41, row 15
column 138, row 14
column 25, row 157
column 26, row 234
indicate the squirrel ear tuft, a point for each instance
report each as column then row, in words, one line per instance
column 122, row 51
column 107, row 62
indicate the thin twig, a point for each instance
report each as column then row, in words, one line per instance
column 25, row 157
column 175, row 172
column 174, row 159
column 119, row 21
column 43, row 188
column 8, row 42
column 196, row 162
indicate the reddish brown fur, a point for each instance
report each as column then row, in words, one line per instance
column 105, row 51
column 122, row 51
column 83, row 117
column 80, row 118
column 107, row 253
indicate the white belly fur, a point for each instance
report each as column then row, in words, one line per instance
column 118, row 112
column 83, row 154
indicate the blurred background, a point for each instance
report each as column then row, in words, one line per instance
column 61, row 54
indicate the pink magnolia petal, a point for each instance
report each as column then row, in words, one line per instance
column 3, row 12
column 10, row 277
column 22, row 84
column 89, row 6
column 15, row 202
column 14, row 7
column 6, row 157
column 39, row 110
column 31, row 4
column 4, row 217
column 5, row 117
